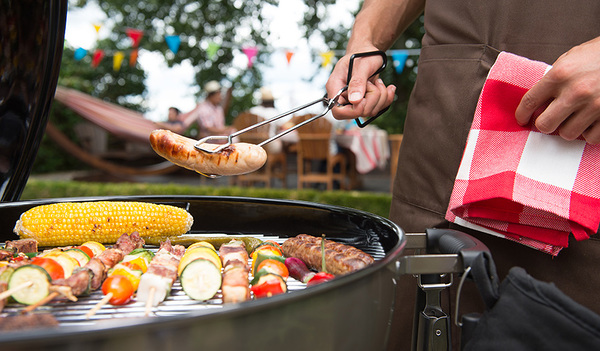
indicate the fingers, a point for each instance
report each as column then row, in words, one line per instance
column 366, row 95
column 534, row 99
column 376, row 98
column 592, row 134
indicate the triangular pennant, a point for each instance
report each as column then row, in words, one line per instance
column 288, row 56
column 327, row 57
column 133, row 57
column 98, row 56
column 97, row 28
column 399, row 58
column 118, row 60
column 80, row 54
column 173, row 42
column 212, row 49
column 135, row 35
column 251, row 52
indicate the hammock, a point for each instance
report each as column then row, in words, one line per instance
column 122, row 122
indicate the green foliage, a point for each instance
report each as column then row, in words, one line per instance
column 377, row 203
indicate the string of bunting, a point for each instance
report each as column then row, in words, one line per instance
column 399, row 56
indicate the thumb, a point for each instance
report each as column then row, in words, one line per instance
column 356, row 89
column 361, row 74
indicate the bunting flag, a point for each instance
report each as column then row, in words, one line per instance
column 98, row 56
column 399, row 59
column 135, row 35
column 173, row 42
column 97, row 29
column 118, row 60
column 251, row 52
column 212, row 49
column 327, row 57
column 288, row 56
column 133, row 57
column 80, row 54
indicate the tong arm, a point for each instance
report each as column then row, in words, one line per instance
column 330, row 104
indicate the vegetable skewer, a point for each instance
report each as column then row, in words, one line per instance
column 155, row 284
column 269, row 270
column 93, row 273
column 200, row 271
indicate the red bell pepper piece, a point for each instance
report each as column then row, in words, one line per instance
column 268, row 287
column 319, row 278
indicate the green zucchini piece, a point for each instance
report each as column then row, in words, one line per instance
column 6, row 273
column 200, row 279
column 32, row 282
column 139, row 252
column 79, row 255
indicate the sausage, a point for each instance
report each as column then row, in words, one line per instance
column 339, row 258
column 235, row 159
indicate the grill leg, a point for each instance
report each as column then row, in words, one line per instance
column 433, row 324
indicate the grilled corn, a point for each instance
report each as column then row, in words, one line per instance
column 73, row 223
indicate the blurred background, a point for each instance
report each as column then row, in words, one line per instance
column 151, row 55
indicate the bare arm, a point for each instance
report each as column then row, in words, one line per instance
column 377, row 26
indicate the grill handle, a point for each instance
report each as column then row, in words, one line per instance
column 450, row 241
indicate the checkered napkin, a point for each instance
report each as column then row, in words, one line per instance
column 518, row 183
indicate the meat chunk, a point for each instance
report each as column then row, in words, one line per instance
column 23, row 245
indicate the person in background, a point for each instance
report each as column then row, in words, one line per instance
column 267, row 110
column 173, row 123
column 461, row 42
column 209, row 114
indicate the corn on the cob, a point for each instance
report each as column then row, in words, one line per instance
column 73, row 223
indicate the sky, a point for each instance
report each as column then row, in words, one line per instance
column 175, row 86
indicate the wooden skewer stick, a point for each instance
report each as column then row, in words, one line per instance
column 9, row 292
column 99, row 305
column 149, row 301
column 42, row 302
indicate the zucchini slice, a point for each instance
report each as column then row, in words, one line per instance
column 201, row 279
column 80, row 255
column 36, row 280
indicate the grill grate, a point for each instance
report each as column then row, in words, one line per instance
column 70, row 313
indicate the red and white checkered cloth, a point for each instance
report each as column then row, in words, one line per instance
column 518, row 183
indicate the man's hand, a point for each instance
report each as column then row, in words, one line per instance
column 572, row 89
column 367, row 96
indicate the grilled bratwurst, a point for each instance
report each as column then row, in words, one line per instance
column 339, row 258
column 235, row 159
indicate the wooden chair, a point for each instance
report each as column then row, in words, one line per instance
column 395, row 142
column 315, row 162
column 276, row 165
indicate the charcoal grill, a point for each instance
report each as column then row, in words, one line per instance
column 352, row 312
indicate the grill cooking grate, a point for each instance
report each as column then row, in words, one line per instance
column 70, row 313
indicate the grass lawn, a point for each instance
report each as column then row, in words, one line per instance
column 376, row 203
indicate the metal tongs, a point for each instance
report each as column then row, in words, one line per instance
column 329, row 104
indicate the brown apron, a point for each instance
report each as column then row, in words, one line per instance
column 461, row 43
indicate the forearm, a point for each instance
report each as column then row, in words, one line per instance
column 380, row 22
